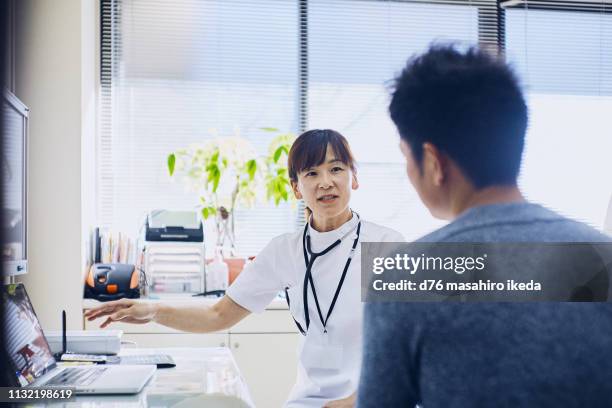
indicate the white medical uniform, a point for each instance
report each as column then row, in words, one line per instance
column 329, row 363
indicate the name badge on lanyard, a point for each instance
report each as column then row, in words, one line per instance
column 309, row 259
column 319, row 353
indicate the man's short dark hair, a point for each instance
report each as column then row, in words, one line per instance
column 467, row 104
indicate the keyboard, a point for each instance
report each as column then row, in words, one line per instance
column 159, row 360
column 76, row 376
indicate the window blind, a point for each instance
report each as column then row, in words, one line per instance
column 355, row 48
column 176, row 73
column 179, row 73
column 563, row 52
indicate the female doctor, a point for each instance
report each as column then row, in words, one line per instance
column 318, row 267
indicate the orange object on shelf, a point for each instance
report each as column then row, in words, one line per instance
column 235, row 266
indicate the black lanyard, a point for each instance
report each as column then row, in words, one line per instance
column 309, row 261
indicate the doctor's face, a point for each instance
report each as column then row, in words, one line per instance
column 326, row 188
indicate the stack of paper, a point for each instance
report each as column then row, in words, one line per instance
column 175, row 266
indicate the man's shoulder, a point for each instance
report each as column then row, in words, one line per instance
column 515, row 222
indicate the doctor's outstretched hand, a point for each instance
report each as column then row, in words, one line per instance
column 195, row 318
column 348, row 402
column 125, row 310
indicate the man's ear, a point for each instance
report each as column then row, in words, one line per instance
column 296, row 190
column 434, row 164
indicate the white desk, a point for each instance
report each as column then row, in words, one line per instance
column 262, row 341
column 202, row 377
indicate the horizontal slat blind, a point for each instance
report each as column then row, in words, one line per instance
column 355, row 49
column 177, row 73
column 171, row 71
column 563, row 53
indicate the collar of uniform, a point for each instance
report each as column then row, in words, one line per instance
column 321, row 240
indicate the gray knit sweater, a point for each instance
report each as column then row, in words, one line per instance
column 491, row 354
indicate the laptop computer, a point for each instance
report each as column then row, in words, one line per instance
column 33, row 364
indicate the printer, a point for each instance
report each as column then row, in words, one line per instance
column 174, row 226
column 175, row 255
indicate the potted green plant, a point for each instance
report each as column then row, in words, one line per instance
column 227, row 172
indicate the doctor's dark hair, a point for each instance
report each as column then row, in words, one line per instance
column 467, row 104
column 310, row 148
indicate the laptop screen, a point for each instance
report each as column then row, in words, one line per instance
column 29, row 354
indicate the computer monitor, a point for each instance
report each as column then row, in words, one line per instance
column 14, row 184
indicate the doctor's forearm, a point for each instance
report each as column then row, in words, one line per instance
column 197, row 319
column 200, row 319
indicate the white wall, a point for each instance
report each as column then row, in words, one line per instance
column 55, row 77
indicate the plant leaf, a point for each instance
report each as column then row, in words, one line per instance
column 215, row 157
column 171, row 163
column 269, row 129
column 205, row 213
column 216, row 179
column 251, row 168
column 277, row 153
